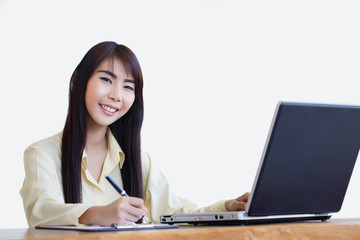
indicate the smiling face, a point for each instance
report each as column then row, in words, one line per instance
column 110, row 93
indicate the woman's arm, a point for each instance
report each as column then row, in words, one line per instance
column 42, row 192
column 158, row 191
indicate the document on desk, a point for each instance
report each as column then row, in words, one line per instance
column 97, row 228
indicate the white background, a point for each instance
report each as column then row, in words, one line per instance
column 213, row 70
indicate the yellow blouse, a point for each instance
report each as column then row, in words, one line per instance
column 42, row 191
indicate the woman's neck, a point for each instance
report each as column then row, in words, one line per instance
column 95, row 137
column 96, row 150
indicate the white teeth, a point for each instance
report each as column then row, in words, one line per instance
column 109, row 109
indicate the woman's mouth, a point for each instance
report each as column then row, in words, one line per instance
column 109, row 109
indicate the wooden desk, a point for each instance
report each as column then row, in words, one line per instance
column 333, row 229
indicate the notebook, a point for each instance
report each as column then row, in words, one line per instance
column 305, row 168
column 113, row 227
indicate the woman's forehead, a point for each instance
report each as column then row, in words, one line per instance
column 115, row 65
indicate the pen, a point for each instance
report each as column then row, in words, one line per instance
column 121, row 191
column 116, row 186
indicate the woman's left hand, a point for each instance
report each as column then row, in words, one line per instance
column 237, row 204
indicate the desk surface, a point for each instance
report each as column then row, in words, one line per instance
column 333, row 229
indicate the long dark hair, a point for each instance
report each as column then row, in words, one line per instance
column 126, row 130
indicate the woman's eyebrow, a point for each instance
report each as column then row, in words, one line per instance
column 109, row 73
column 130, row 81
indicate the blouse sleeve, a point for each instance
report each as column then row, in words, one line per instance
column 42, row 191
column 160, row 200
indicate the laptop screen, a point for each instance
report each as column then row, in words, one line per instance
column 307, row 161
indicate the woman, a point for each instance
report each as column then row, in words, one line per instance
column 65, row 174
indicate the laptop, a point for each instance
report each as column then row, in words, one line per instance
column 305, row 167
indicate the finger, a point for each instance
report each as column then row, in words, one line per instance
column 240, row 206
column 126, row 202
column 129, row 209
column 136, row 202
column 129, row 214
column 237, row 205
column 243, row 198
column 139, row 204
column 131, row 218
column 136, row 212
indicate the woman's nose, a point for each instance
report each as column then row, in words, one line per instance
column 115, row 94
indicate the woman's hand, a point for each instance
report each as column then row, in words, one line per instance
column 121, row 211
column 237, row 204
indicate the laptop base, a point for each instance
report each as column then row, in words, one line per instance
column 237, row 218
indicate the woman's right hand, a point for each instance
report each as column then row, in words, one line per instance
column 121, row 211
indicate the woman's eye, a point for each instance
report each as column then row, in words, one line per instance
column 106, row 79
column 129, row 87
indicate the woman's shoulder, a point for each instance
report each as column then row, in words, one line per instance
column 145, row 160
column 49, row 145
column 148, row 165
